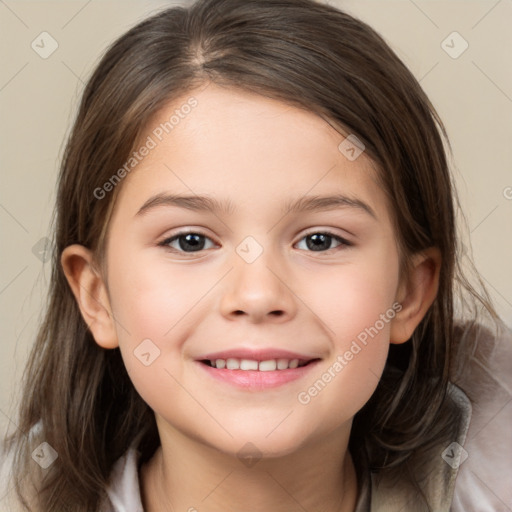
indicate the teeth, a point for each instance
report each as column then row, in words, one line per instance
column 250, row 364
column 282, row 364
column 268, row 366
column 232, row 364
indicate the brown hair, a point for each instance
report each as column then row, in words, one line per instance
column 298, row 51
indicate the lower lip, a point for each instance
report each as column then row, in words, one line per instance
column 255, row 379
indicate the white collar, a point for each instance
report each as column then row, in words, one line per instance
column 123, row 489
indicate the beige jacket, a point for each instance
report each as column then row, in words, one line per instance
column 474, row 471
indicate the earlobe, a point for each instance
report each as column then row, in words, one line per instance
column 416, row 294
column 90, row 293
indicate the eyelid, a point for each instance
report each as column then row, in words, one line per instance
column 330, row 232
column 185, row 231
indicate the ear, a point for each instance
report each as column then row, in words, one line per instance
column 90, row 293
column 416, row 293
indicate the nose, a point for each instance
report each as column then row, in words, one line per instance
column 258, row 291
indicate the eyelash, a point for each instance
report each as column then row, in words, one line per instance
column 165, row 243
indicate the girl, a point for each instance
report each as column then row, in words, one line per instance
column 255, row 283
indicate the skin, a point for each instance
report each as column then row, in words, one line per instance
column 258, row 153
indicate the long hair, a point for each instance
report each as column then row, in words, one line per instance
column 300, row 52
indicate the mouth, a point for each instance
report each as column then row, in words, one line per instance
column 268, row 365
column 257, row 373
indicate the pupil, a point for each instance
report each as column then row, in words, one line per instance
column 324, row 241
column 191, row 242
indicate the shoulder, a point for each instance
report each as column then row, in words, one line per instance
column 484, row 374
column 470, row 466
column 9, row 446
column 121, row 495
column 6, row 484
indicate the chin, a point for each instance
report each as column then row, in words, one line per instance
column 256, row 443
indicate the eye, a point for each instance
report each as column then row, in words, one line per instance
column 187, row 242
column 321, row 241
column 191, row 241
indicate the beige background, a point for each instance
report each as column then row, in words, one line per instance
column 38, row 98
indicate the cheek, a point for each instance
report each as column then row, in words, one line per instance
column 156, row 308
column 153, row 301
column 353, row 297
column 355, row 306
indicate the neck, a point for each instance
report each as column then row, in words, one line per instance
column 186, row 475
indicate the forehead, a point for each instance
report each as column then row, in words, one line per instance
column 245, row 149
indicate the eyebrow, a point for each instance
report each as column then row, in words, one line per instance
column 303, row 204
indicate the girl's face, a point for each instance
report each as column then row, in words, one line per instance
column 246, row 234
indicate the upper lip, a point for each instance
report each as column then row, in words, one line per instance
column 257, row 354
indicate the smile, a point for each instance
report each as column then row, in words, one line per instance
column 251, row 364
column 255, row 375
